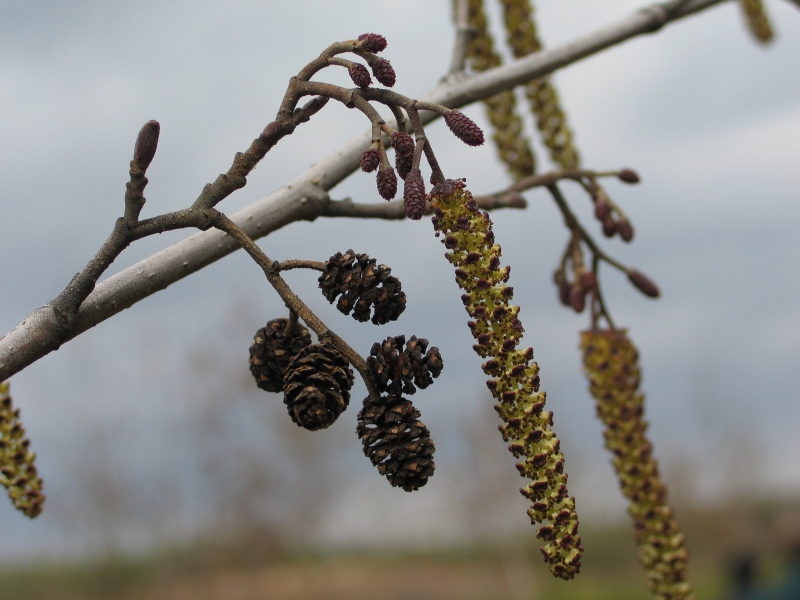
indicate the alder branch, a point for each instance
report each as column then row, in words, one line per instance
column 464, row 34
column 305, row 198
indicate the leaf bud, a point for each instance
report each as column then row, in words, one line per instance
column 146, row 144
column 628, row 176
column 643, row 284
column 625, row 230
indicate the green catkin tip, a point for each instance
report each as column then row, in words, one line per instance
column 18, row 472
column 514, row 377
column 757, row 20
column 611, row 364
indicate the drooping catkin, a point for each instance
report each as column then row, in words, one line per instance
column 514, row 382
column 512, row 145
column 757, row 20
column 611, row 364
column 17, row 469
column 550, row 118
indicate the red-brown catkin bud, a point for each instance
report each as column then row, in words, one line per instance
column 414, row 195
column 643, row 284
column 577, row 297
column 387, row 183
column 625, row 230
column 370, row 160
column 372, row 42
column 402, row 142
column 602, row 209
column 403, row 164
column 464, row 128
column 609, row 227
column 146, row 144
column 628, row 176
column 383, row 71
column 360, row 75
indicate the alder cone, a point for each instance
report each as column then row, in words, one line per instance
column 272, row 350
column 370, row 160
column 384, row 72
column 403, row 163
column 387, row 183
column 464, row 128
column 360, row 75
column 361, row 285
column 372, row 42
column 396, row 442
column 414, row 195
column 396, row 370
column 317, row 386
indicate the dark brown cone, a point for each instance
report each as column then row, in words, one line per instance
column 370, row 160
column 402, row 142
column 387, row 183
column 628, row 176
column 403, row 164
column 463, row 128
column 384, row 72
column 625, row 230
column 643, row 284
column 396, row 442
column 362, row 285
column 372, row 42
column 317, row 383
column 272, row 350
column 360, row 75
column 146, row 144
column 414, row 195
column 395, row 370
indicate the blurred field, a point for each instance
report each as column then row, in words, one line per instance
column 257, row 569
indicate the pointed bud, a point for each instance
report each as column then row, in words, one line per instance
column 414, row 195
column 387, row 183
column 625, row 230
column 643, row 284
column 384, row 73
column 463, row 128
column 370, row 159
column 372, row 42
column 628, row 176
column 360, row 75
column 146, row 144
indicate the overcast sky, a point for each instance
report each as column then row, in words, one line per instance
column 709, row 119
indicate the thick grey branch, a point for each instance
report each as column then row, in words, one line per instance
column 306, row 197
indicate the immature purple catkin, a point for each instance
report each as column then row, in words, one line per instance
column 514, row 382
column 384, row 73
column 464, row 128
column 387, row 183
column 370, row 159
column 402, row 142
column 372, row 42
column 643, row 283
column 360, row 75
column 611, row 364
column 414, row 195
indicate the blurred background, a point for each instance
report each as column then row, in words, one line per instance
column 168, row 474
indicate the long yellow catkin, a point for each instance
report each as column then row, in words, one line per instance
column 757, row 20
column 17, row 470
column 512, row 145
column 550, row 118
column 514, row 382
column 611, row 364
